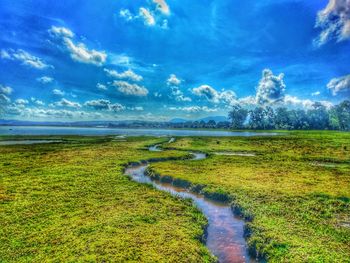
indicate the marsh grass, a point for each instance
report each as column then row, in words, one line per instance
column 298, row 212
column 70, row 202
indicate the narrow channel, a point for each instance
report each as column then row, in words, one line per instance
column 225, row 232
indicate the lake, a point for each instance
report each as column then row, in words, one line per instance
column 46, row 130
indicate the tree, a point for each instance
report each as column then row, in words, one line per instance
column 283, row 119
column 238, row 116
column 211, row 124
column 256, row 118
column 318, row 117
column 342, row 114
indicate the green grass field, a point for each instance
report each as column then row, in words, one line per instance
column 70, row 202
column 296, row 190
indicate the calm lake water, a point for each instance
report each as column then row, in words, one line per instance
column 35, row 130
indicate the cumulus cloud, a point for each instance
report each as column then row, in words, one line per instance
column 128, row 74
column 4, row 99
column 101, row 86
column 208, row 92
column 302, row 103
column 173, row 80
column 24, row 57
column 271, row 88
column 212, row 95
column 66, row 103
column 147, row 16
column 334, row 21
column 150, row 15
column 58, row 92
column 6, row 90
column 102, row 104
column 78, row 51
column 137, row 108
column 37, row 102
column 126, row 14
column 52, row 113
column 130, row 89
column 316, row 93
column 21, row 101
column 339, row 85
column 178, row 94
column 162, row 6
column 45, row 80
column 193, row 109
column 61, row 32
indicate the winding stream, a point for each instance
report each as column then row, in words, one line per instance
column 225, row 237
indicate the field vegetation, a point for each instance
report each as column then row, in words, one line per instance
column 294, row 193
column 70, row 202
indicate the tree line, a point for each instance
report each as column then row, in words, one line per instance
column 318, row 117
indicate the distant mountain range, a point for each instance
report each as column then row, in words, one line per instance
column 123, row 123
column 206, row 119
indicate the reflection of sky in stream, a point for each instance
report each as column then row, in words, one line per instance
column 225, row 232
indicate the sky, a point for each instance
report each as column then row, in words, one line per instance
column 155, row 60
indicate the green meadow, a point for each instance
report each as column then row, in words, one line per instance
column 294, row 193
column 71, row 202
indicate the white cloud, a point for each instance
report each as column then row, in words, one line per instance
column 101, row 86
column 49, row 114
column 45, row 80
column 316, row 93
column 334, row 21
column 271, row 88
column 21, row 101
column 130, row 89
column 24, row 57
column 193, row 109
column 37, row 102
column 338, row 85
column 61, row 32
column 178, row 94
column 212, row 95
column 162, row 6
column 173, row 80
column 302, row 103
column 6, row 90
column 137, row 108
column 78, row 52
column 126, row 14
column 58, row 92
column 66, row 103
column 208, row 92
column 102, row 104
column 147, row 16
column 4, row 99
column 128, row 74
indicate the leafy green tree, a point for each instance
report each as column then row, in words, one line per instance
column 318, row 117
column 238, row 116
column 342, row 113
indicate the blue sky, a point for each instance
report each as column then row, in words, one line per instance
column 160, row 59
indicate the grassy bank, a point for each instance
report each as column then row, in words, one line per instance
column 70, row 202
column 296, row 190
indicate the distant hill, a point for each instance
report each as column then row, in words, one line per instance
column 214, row 118
column 177, row 120
column 122, row 123
column 206, row 119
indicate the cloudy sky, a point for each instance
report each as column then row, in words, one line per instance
column 160, row 59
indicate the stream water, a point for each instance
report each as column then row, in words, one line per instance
column 225, row 232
